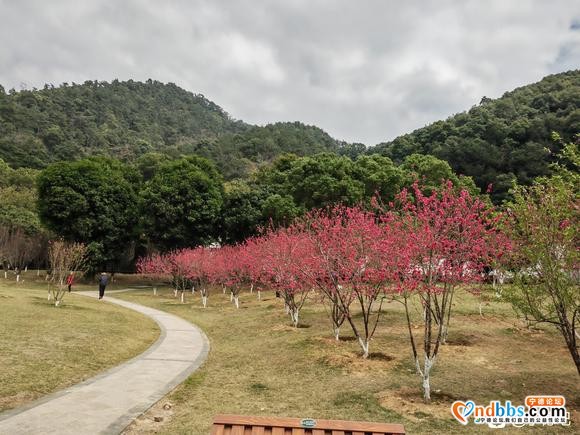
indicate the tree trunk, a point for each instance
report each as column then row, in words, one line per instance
column 204, row 301
column 237, row 301
column 426, row 380
column 231, row 296
column 294, row 314
column 259, row 295
column 336, row 331
column 192, row 289
column 182, row 297
column 364, row 344
column 154, row 291
column 252, row 288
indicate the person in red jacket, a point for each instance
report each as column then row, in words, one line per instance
column 70, row 280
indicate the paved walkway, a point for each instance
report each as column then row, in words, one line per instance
column 109, row 402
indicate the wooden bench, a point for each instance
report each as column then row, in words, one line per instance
column 247, row 425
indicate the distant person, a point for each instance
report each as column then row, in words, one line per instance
column 103, row 281
column 70, row 280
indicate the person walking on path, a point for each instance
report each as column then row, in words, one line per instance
column 70, row 280
column 103, row 281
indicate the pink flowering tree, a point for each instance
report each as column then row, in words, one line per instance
column 230, row 269
column 442, row 241
column 200, row 271
column 155, row 267
column 256, row 264
column 286, row 254
column 349, row 267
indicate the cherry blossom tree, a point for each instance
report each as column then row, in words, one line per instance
column 200, row 270
column 349, row 267
column 286, row 254
column 442, row 241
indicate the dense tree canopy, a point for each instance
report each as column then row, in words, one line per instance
column 18, row 199
column 182, row 202
column 92, row 201
column 122, row 119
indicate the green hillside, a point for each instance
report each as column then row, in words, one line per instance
column 495, row 142
column 128, row 119
column 501, row 139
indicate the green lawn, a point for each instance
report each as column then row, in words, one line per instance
column 260, row 365
column 44, row 349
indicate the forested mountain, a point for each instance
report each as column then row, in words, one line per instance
column 237, row 154
column 504, row 139
column 495, row 142
column 128, row 119
column 120, row 119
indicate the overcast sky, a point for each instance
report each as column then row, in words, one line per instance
column 364, row 71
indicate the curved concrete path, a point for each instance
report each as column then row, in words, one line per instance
column 109, row 402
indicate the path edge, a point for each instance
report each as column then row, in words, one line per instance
column 121, row 423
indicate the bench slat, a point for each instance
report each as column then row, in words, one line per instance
column 279, row 425
column 258, row 430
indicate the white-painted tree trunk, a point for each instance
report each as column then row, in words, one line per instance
column 444, row 333
column 237, row 301
column 418, row 367
column 224, row 289
column 364, row 344
column 154, row 291
column 192, row 289
column 252, row 288
column 426, row 381
column 18, row 278
column 175, row 293
column 26, row 268
column 295, row 314
column 336, row 330
column 231, row 296
column 37, row 272
column 5, row 275
column 480, row 309
column 182, row 297
column 259, row 295
column 204, row 301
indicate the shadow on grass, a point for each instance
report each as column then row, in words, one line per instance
column 462, row 340
column 380, row 356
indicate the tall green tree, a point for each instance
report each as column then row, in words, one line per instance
column 182, row 202
column 242, row 212
column 95, row 202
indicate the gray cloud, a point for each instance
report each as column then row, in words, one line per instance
column 364, row 71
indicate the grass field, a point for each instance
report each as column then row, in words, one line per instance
column 44, row 349
column 258, row 364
